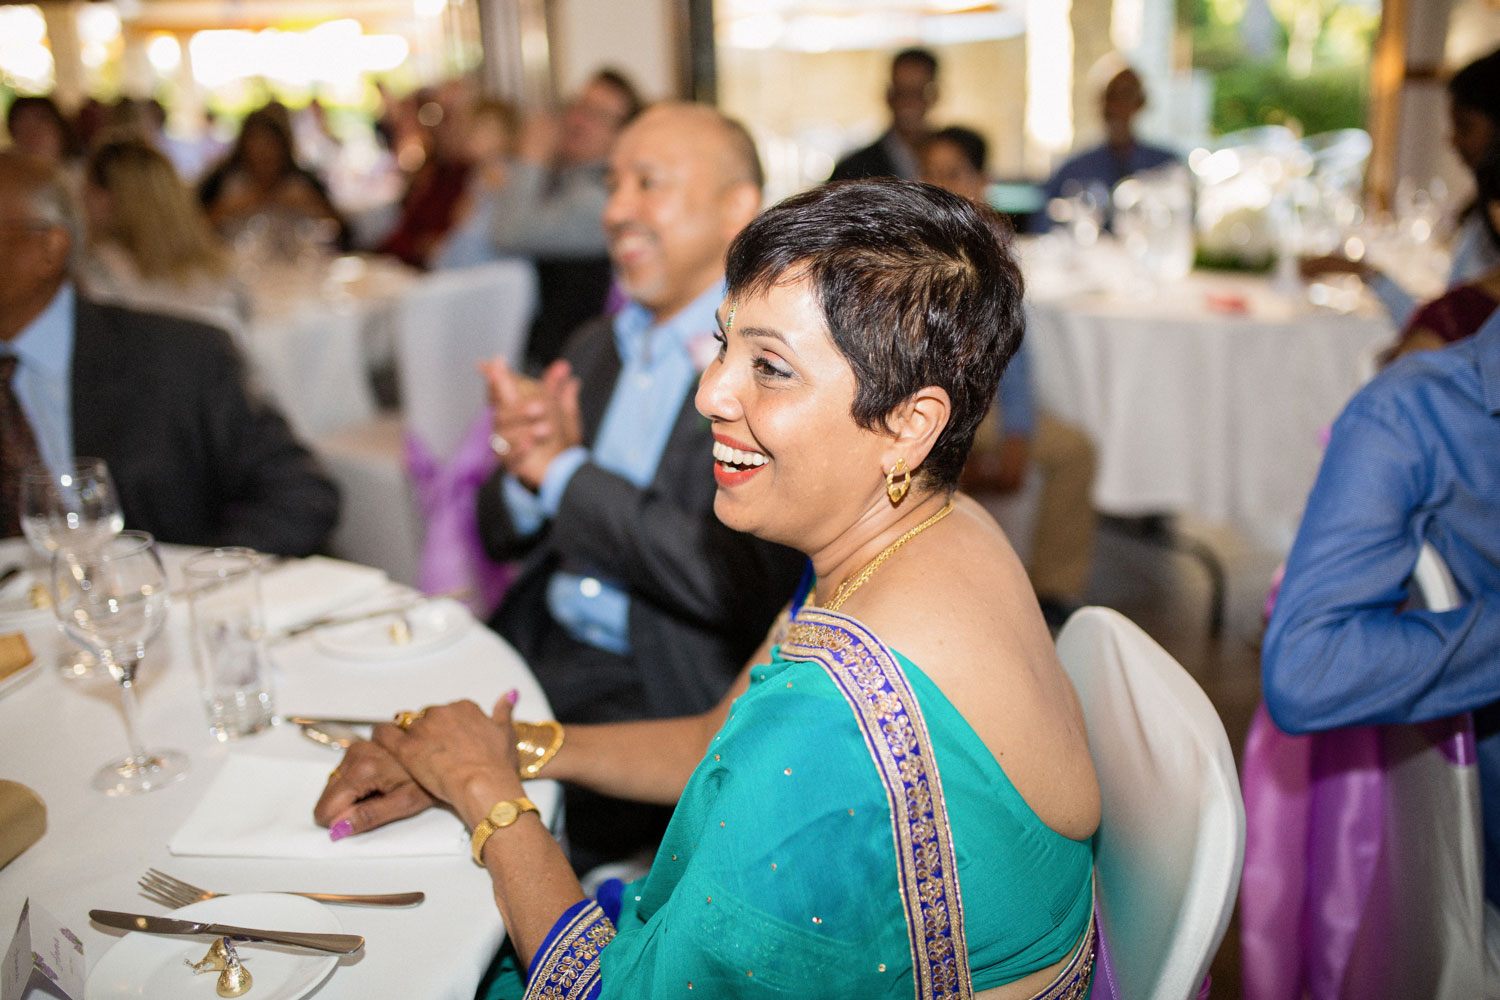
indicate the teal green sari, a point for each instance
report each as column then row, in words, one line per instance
column 816, row 851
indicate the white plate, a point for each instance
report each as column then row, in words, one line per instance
column 16, row 611
column 151, row 965
column 431, row 625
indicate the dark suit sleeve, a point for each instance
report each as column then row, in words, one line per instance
column 681, row 558
column 273, row 497
column 497, row 530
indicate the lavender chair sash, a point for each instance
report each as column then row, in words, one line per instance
column 453, row 558
column 1316, row 894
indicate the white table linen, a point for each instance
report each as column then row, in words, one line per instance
column 54, row 734
column 1209, row 398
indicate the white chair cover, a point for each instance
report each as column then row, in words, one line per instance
column 449, row 321
column 312, row 363
column 1171, row 841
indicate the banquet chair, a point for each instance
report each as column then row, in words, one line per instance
column 1171, row 838
column 1364, row 870
column 405, row 501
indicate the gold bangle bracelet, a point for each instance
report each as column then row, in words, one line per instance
column 536, row 744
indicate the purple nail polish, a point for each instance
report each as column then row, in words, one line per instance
column 513, row 696
column 340, row 830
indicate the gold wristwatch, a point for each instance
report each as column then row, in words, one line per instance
column 502, row 814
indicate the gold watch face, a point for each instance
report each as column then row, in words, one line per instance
column 504, row 813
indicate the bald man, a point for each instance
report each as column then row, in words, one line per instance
column 1119, row 156
column 634, row 601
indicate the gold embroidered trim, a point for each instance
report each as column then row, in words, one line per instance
column 1076, row 978
column 571, row 967
column 886, row 708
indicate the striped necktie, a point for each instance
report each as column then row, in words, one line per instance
column 18, row 450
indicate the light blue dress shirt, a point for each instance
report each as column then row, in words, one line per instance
column 43, row 380
column 1415, row 457
column 1098, row 168
column 658, row 369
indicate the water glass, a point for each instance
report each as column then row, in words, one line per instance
column 229, row 641
column 76, row 509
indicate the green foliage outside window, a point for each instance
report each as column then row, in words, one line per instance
column 1310, row 74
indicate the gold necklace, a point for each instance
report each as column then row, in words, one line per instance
column 849, row 586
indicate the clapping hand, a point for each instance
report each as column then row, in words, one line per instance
column 535, row 420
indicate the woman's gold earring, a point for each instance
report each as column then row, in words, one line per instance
column 896, row 490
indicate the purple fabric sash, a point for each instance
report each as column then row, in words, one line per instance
column 453, row 558
column 1314, row 814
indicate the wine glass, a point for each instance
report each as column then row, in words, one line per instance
column 112, row 597
column 77, row 508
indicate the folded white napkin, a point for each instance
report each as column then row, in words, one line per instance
column 299, row 591
column 261, row 807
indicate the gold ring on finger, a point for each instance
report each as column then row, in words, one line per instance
column 404, row 720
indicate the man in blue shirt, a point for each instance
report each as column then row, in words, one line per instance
column 1121, row 154
column 634, row 601
column 1414, row 458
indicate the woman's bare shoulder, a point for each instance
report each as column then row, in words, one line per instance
column 961, row 608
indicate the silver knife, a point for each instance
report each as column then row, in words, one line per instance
column 343, row 944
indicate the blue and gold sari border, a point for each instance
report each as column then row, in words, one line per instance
column 871, row 680
column 568, row 967
column 1077, row 977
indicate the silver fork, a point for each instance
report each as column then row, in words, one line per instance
column 172, row 892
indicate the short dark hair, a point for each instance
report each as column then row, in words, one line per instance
column 918, row 287
column 968, row 142
column 634, row 103
column 1477, row 86
column 49, row 110
column 924, row 57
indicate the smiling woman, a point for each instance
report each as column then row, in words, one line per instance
column 904, row 738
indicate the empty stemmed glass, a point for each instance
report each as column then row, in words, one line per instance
column 112, row 597
column 77, row 508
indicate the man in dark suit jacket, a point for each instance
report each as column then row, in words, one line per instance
column 910, row 95
column 634, row 600
column 196, row 457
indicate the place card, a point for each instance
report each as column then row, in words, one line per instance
column 43, row 954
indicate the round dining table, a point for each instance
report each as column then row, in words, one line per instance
column 1207, row 395
column 54, row 733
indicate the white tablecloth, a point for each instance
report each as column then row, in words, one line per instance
column 54, row 734
column 1209, row 398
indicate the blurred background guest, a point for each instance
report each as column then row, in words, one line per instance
column 262, row 178
column 489, row 128
column 910, row 95
column 1462, row 310
column 197, row 458
column 549, row 207
column 39, row 130
column 1020, row 437
column 1121, row 154
column 1474, row 111
column 150, row 247
column 430, row 206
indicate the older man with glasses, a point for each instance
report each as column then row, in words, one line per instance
column 196, row 457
